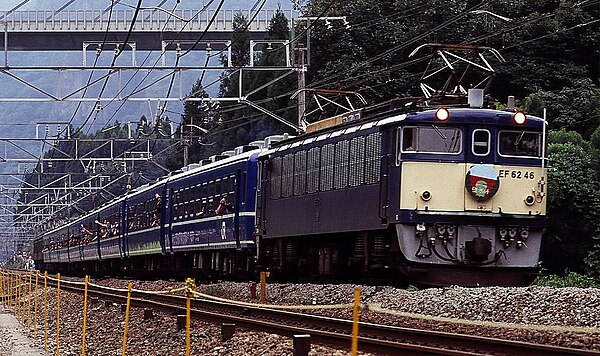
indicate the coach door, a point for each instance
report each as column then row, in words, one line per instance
column 166, row 219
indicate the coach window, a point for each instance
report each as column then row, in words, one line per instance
column 231, row 189
column 179, row 204
column 198, row 199
column 204, row 194
column 210, row 196
column 481, row 142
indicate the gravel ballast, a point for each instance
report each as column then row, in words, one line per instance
column 558, row 316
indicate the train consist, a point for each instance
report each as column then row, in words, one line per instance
column 435, row 196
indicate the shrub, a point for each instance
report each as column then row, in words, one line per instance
column 572, row 279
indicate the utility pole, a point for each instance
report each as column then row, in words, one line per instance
column 304, row 58
column 301, row 86
column 186, row 144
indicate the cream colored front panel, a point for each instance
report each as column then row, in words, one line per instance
column 444, row 181
column 446, row 184
column 516, row 183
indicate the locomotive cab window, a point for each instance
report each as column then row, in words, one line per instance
column 481, row 142
column 431, row 139
column 519, row 143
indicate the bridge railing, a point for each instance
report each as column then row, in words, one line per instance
column 120, row 20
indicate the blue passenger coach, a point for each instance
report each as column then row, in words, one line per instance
column 197, row 221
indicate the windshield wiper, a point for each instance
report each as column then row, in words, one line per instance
column 518, row 140
column 439, row 132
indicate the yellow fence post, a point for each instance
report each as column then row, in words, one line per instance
column 58, row 315
column 19, row 292
column 263, row 286
column 22, row 299
column 35, row 307
column 2, row 286
column 21, row 304
column 16, row 311
column 126, row 319
column 355, row 321
column 85, row 291
column 13, row 301
column 46, row 311
column 7, row 288
column 29, row 303
column 10, row 290
column 190, row 285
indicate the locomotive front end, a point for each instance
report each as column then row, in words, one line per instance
column 471, row 197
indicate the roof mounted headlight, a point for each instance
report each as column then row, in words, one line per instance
column 519, row 118
column 442, row 114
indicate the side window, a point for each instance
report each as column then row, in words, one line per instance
column 519, row 143
column 231, row 187
column 481, row 142
column 409, row 138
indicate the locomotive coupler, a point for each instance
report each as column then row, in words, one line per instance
column 478, row 249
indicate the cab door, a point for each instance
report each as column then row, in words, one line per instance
column 481, row 176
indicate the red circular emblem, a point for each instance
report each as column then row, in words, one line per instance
column 482, row 182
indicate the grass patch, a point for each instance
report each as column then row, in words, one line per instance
column 571, row 279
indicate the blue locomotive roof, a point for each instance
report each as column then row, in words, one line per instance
column 474, row 117
column 458, row 116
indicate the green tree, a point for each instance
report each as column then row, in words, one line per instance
column 275, row 96
column 574, row 108
column 573, row 204
column 241, row 124
column 199, row 119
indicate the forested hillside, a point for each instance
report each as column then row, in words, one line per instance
column 552, row 53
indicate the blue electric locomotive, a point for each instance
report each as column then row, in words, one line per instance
column 441, row 197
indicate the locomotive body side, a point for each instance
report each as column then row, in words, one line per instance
column 307, row 194
column 322, row 211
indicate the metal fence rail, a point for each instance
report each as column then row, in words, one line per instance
column 120, row 20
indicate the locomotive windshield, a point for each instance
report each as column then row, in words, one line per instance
column 520, row 143
column 431, row 139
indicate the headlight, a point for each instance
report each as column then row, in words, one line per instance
column 442, row 114
column 519, row 118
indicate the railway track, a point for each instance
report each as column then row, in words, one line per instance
column 376, row 338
